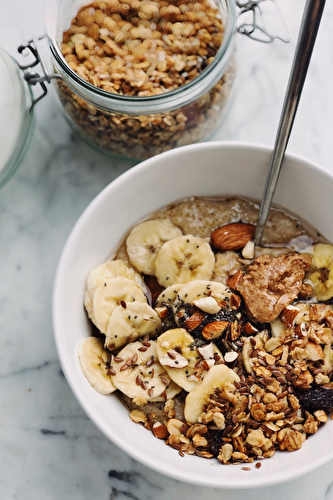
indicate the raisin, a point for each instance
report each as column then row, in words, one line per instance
column 318, row 398
column 215, row 441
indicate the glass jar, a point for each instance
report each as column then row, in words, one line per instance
column 16, row 114
column 135, row 126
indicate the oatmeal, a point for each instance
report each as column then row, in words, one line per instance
column 221, row 349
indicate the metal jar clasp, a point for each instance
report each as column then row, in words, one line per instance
column 254, row 21
column 31, row 77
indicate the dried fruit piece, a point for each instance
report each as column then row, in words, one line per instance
column 318, row 398
column 232, row 236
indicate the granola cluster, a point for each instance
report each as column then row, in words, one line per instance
column 143, row 48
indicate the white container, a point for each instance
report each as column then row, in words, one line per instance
column 208, row 169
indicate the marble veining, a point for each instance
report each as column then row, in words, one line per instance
column 48, row 447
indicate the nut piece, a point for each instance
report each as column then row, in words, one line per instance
column 176, row 427
column 173, row 359
column 225, row 453
column 215, row 329
column 230, row 357
column 194, row 321
column 138, row 417
column 208, row 305
column 160, row 431
column 248, row 250
column 232, row 236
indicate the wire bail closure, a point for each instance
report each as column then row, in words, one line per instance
column 31, row 77
column 255, row 26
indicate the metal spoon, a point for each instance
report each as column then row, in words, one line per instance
column 306, row 40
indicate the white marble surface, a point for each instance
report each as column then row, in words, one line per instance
column 48, row 447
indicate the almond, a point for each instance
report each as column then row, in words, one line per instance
column 207, row 304
column 249, row 329
column 176, row 427
column 232, row 236
column 160, row 430
column 194, row 321
column 235, row 331
column 235, row 301
column 230, row 356
column 235, row 279
column 288, row 316
column 162, row 311
column 215, row 329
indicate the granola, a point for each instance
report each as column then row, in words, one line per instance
column 142, row 49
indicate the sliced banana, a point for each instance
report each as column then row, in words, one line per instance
column 167, row 297
column 146, row 239
column 170, row 392
column 130, row 321
column 166, row 300
column 106, row 271
column 194, row 291
column 94, row 363
column 110, row 295
column 184, row 259
column 182, row 360
column 138, row 373
column 219, row 377
column 322, row 275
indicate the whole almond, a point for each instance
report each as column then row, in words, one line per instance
column 232, row 236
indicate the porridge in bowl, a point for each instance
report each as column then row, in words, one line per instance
column 219, row 348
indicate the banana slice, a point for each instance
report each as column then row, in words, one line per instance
column 146, row 239
column 170, row 392
column 130, row 321
column 167, row 297
column 166, row 300
column 137, row 372
column 196, row 290
column 110, row 295
column 104, row 272
column 185, row 364
column 184, row 259
column 322, row 276
column 219, row 377
column 94, row 363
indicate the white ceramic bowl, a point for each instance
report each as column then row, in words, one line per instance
column 202, row 169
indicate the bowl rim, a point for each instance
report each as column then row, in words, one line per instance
column 117, row 440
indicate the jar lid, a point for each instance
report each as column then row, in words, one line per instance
column 12, row 110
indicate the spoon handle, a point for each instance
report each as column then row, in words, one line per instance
column 306, row 40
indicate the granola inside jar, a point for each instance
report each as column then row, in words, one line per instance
column 140, row 77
